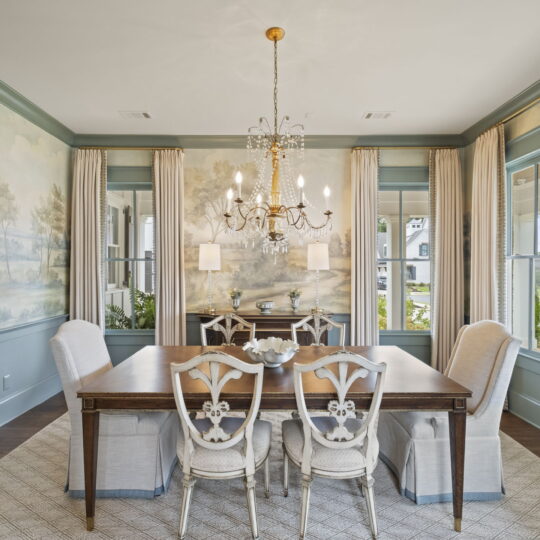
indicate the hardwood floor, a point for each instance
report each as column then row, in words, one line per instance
column 22, row 428
column 522, row 432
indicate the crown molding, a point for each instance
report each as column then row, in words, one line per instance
column 25, row 108
column 21, row 105
column 500, row 113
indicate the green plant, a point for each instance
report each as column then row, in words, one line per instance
column 294, row 293
column 381, row 310
column 144, row 313
column 416, row 318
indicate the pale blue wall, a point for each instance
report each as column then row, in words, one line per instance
column 25, row 355
column 524, row 393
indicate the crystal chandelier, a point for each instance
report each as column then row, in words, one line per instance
column 275, row 207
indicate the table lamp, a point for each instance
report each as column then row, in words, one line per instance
column 210, row 260
column 317, row 259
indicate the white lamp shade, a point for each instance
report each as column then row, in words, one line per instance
column 209, row 257
column 317, row 257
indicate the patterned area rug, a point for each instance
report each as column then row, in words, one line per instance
column 34, row 505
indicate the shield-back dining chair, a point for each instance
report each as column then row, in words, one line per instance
column 228, row 329
column 321, row 324
column 219, row 446
column 340, row 445
column 415, row 444
column 137, row 451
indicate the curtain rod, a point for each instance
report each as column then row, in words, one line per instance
column 130, row 148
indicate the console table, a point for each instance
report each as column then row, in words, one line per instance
column 278, row 324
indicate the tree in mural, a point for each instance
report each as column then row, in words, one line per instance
column 8, row 217
column 49, row 225
column 207, row 195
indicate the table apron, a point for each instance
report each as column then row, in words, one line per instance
column 269, row 402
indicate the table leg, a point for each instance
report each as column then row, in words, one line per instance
column 90, row 426
column 457, row 424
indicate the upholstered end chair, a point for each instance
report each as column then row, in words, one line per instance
column 415, row 444
column 137, row 451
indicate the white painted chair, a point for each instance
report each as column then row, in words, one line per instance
column 415, row 444
column 228, row 330
column 321, row 324
column 137, row 451
column 217, row 446
column 339, row 445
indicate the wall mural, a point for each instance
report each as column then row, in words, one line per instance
column 208, row 175
column 34, row 239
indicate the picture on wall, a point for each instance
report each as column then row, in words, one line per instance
column 208, row 175
column 34, row 232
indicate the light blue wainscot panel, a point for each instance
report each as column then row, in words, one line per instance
column 28, row 375
column 524, row 393
column 124, row 343
column 417, row 343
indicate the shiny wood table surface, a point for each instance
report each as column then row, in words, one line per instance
column 143, row 381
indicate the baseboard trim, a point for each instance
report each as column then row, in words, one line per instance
column 27, row 398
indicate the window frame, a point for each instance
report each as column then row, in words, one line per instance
column 134, row 187
column 529, row 160
column 401, row 187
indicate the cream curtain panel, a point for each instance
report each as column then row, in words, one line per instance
column 364, row 177
column 446, row 196
column 168, row 179
column 488, row 228
column 87, row 213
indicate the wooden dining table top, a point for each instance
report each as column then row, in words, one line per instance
column 145, row 379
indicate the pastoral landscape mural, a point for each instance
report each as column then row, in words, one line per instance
column 208, row 175
column 34, row 234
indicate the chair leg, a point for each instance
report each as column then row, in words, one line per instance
column 367, row 484
column 360, row 486
column 249, row 482
column 188, row 483
column 285, row 473
column 267, row 478
column 306, row 491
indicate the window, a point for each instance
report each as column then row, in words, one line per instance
column 403, row 264
column 129, row 258
column 524, row 252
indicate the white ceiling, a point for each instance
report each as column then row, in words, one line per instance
column 205, row 68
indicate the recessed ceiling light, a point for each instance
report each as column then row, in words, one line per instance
column 376, row 115
column 135, row 115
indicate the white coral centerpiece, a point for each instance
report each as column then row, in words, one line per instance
column 272, row 352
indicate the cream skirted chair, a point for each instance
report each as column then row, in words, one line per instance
column 340, row 445
column 137, row 451
column 229, row 329
column 217, row 446
column 415, row 444
column 321, row 324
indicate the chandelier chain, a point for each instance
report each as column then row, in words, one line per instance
column 275, row 88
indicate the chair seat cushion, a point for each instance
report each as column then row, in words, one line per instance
column 230, row 459
column 326, row 459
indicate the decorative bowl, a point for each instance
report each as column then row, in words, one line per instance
column 272, row 352
column 265, row 306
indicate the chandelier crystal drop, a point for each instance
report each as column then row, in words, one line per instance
column 277, row 204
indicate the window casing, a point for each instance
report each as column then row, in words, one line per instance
column 129, row 257
column 403, row 259
column 523, row 251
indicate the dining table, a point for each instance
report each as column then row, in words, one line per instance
column 143, row 382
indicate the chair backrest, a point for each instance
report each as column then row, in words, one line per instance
column 341, row 369
column 80, row 354
column 229, row 329
column 207, row 367
column 482, row 360
column 321, row 324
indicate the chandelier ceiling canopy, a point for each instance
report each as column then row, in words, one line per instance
column 275, row 207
